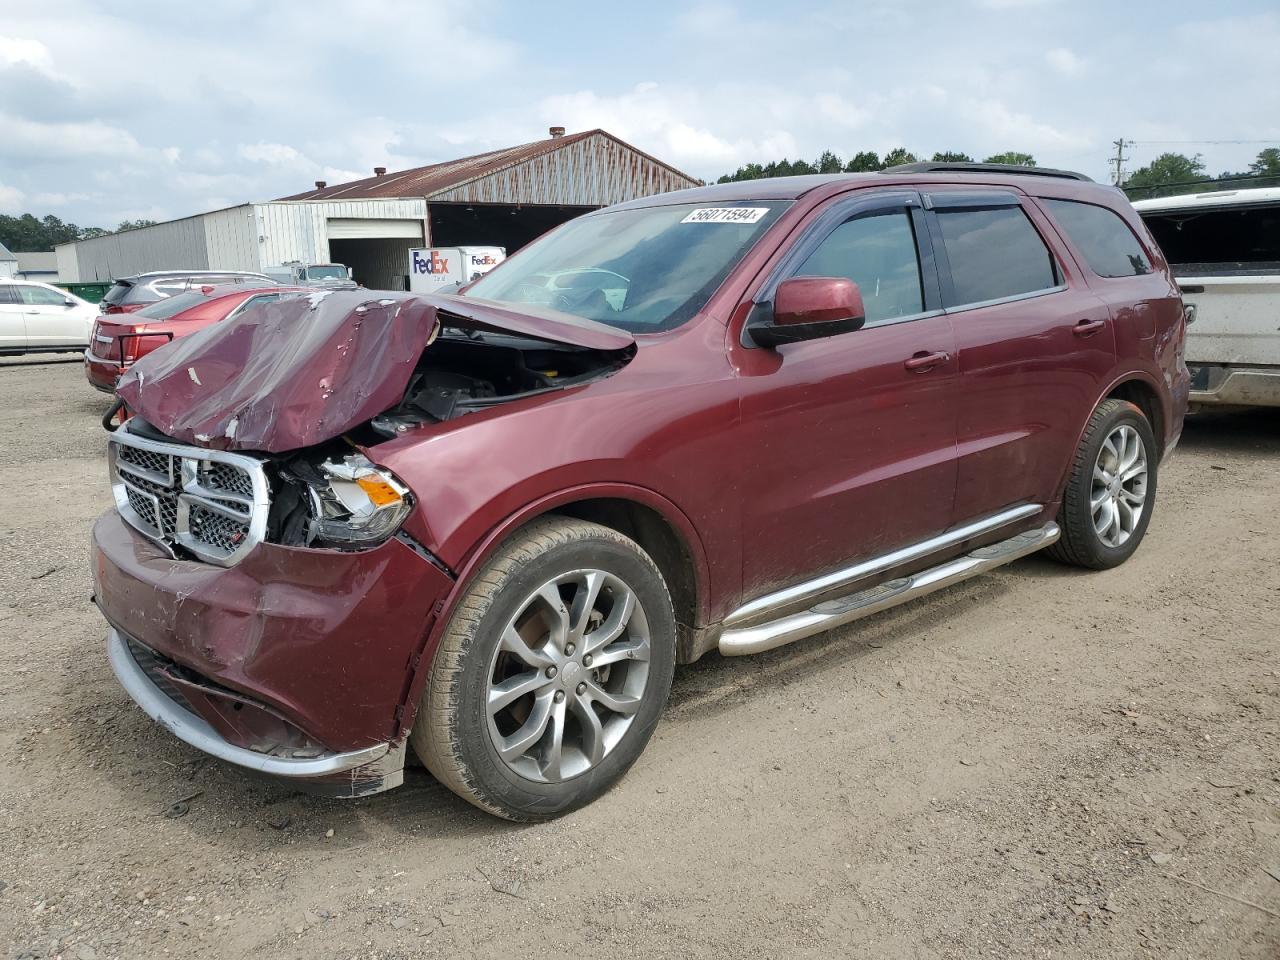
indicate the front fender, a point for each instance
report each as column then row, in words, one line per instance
column 483, row 549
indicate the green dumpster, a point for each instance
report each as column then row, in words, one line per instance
column 93, row 292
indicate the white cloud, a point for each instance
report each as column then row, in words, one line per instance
column 19, row 50
column 38, row 140
column 1013, row 4
column 271, row 153
column 1064, row 61
column 253, row 115
column 10, row 199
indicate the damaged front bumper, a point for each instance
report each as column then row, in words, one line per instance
column 295, row 662
column 355, row 773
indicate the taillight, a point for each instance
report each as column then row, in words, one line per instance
column 112, row 308
column 139, row 345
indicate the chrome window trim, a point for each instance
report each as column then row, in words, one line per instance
column 191, row 492
column 978, row 305
column 811, row 589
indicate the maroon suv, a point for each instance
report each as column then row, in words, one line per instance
column 487, row 527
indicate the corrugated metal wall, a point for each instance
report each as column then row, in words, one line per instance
column 231, row 237
column 298, row 230
column 178, row 244
column 595, row 171
column 68, row 263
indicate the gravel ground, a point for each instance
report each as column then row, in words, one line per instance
column 1038, row 763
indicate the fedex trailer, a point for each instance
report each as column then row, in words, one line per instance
column 443, row 269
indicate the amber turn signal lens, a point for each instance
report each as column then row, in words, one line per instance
column 378, row 490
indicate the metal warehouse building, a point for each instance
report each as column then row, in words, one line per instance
column 504, row 198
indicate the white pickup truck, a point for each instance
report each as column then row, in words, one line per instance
column 1224, row 249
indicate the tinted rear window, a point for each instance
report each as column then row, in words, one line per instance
column 164, row 309
column 1102, row 236
column 119, row 290
column 994, row 254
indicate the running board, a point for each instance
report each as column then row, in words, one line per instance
column 741, row 641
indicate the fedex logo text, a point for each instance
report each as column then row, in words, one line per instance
column 436, row 264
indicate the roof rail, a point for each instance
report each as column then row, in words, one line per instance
column 1006, row 168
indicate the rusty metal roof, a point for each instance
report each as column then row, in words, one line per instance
column 590, row 168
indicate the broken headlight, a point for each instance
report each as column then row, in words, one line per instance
column 355, row 504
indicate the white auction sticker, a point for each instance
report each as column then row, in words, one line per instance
column 725, row 215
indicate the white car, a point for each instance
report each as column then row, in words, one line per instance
column 38, row 318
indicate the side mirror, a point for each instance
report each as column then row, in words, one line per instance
column 806, row 308
column 68, row 302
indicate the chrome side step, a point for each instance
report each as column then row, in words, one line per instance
column 834, row 613
column 810, row 589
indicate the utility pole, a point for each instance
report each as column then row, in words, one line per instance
column 1117, row 161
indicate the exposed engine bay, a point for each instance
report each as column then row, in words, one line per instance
column 462, row 372
column 331, row 496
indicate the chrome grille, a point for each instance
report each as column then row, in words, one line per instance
column 211, row 503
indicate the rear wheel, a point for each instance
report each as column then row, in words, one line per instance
column 1107, row 504
column 550, row 677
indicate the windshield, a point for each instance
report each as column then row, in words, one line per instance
column 327, row 273
column 171, row 307
column 643, row 270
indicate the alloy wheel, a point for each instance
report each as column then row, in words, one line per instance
column 1119, row 491
column 568, row 676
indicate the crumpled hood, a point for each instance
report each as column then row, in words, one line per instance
column 297, row 372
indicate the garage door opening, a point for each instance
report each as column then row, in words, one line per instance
column 379, row 263
column 495, row 224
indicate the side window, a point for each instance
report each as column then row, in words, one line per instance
column 167, row 288
column 1106, row 241
column 255, row 302
column 878, row 253
column 8, row 293
column 994, row 253
column 40, row 297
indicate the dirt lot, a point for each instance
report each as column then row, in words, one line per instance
column 1039, row 763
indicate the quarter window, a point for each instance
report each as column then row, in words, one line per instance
column 1102, row 236
column 878, row 253
column 994, row 254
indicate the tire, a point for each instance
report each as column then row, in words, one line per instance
column 481, row 661
column 1082, row 543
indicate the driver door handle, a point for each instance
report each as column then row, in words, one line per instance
column 1087, row 328
column 921, row 362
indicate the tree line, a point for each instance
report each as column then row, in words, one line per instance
column 1174, row 173
column 1169, row 173
column 867, row 161
column 31, row 234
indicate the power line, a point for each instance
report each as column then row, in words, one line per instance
column 1143, row 142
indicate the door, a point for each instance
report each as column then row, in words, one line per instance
column 53, row 318
column 1035, row 347
column 850, row 440
column 13, row 326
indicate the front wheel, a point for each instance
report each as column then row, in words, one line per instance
column 552, row 673
column 1107, row 503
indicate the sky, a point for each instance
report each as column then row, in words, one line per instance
column 120, row 110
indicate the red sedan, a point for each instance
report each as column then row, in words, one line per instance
column 118, row 341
